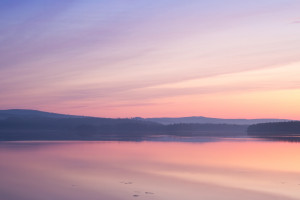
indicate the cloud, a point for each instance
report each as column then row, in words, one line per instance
column 115, row 53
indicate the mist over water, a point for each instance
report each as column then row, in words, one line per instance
column 240, row 168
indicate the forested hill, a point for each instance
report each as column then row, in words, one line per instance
column 24, row 113
column 207, row 120
column 50, row 126
column 282, row 128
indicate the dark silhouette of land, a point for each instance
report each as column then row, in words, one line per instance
column 283, row 131
column 278, row 128
column 37, row 125
column 32, row 113
column 206, row 120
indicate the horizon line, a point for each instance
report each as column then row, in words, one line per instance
column 79, row 115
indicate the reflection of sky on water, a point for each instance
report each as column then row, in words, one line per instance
column 198, row 139
column 29, row 145
column 149, row 170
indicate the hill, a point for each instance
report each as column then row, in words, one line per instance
column 279, row 128
column 23, row 113
column 206, row 120
column 38, row 125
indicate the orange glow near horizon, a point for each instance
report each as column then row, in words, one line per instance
column 260, row 104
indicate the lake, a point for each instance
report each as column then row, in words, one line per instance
column 172, row 169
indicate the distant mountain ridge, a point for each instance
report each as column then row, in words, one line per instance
column 38, row 125
column 163, row 120
column 207, row 120
column 32, row 113
column 18, row 125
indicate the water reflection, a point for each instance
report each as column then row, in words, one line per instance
column 284, row 138
column 222, row 169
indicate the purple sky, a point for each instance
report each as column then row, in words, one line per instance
column 219, row 58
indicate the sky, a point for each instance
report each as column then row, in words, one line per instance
column 167, row 58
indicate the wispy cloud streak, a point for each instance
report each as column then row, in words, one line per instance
column 66, row 53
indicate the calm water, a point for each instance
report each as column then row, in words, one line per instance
column 210, row 170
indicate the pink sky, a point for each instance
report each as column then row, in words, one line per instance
column 229, row 59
